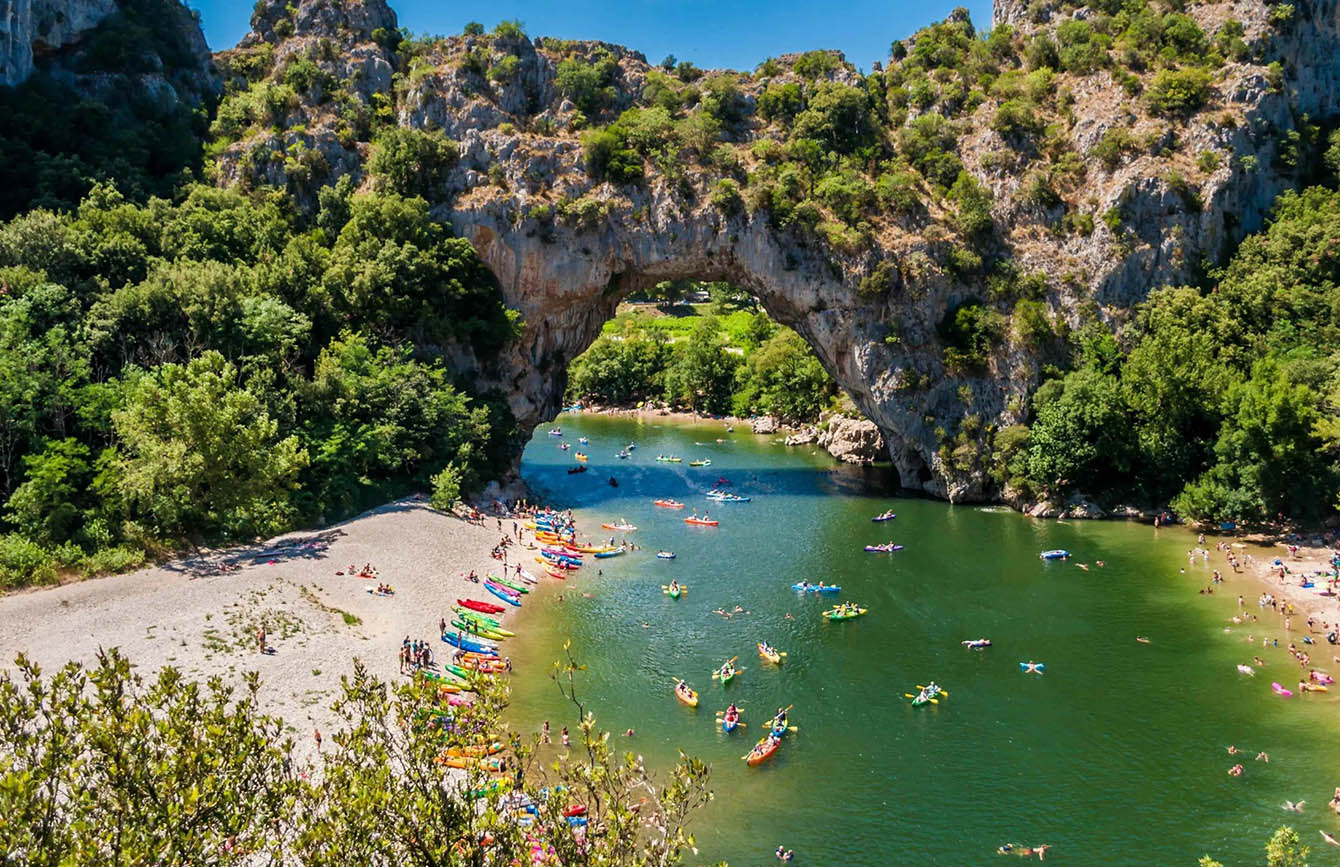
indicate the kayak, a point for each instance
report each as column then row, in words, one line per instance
column 839, row 614
column 583, row 440
column 469, row 644
column 701, row 522
column 771, row 654
column 1313, row 687
column 469, row 626
column 581, row 457
column 665, row 555
column 1281, row 691
column 668, row 460
column 667, row 504
column 1055, row 554
column 673, row 592
column 727, row 672
column 615, row 553
column 502, row 594
column 815, row 588
column 476, row 750
column 762, row 751
column 556, row 563
column 467, row 614
column 520, row 588
column 887, row 516
column 731, row 498
column 686, row 695
column 730, row 722
column 559, row 575
column 489, row 764
column 706, row 463
column 627, row 528
column 883, row 549
column 527, row 577
column 476, row 605
column 927, row 695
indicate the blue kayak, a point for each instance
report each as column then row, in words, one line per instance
column 615, row 553
column 469, row 644
column 815, row 588
column 502, row 594
column 1057, row 554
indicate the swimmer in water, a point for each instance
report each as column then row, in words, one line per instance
column 1232, row 750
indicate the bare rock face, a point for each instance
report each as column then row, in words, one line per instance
column 34, row 27
column 853, row 440
column 764, row 425
column 567, row 248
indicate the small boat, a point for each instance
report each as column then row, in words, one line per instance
column 556, row 432
column 667, row 504
column 1281, row 691
column 1032, row 667
column 630, row 447
column 510, row 585
column 583, row 440
column 476, row 750
column 669, row 459
column 623, row 456
column 572, row 471
column 1055, row 554
column 807, row 587
column 770, row 653
column 581, row 457
column 726, row 673
column 470, row 644
column 469, row 627
column 977, row 643
column 701, row 522
column 686, row 695
column 615, row 553
column 887, row 516
column 929, row 694
column 627, row 528
column 702, row 463
column 673, row 590
column 732, row 498
column 665, row 555
column 844, row 612
column 1313, row 687
column 886, row 548
column 476, row 605
column 729, row 721
column 503, row 593
column 762, row 751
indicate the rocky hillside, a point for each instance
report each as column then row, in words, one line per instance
column 936, row 228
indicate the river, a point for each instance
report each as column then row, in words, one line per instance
column 1116, row 755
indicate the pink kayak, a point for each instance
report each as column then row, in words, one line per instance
column 1281, row 691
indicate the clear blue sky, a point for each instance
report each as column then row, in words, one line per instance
column 711, row 33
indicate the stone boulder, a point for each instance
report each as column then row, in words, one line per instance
column 853, row 440
column 765, row 424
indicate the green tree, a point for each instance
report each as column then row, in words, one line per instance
column 1080, row 438
column 200, row 454
column 838, row 117
column 784, row 378
column 702, row 375
column 1285, row 849
column 49, row 506
column 412, row 162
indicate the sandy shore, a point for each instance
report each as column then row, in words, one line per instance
column 191, row 615
column 1311, row 563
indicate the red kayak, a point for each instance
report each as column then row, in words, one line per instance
column 485, row 607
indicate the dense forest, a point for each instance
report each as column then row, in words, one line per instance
column 185, row 363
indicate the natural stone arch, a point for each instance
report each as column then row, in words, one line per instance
column 567, row 283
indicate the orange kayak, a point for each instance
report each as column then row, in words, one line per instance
column 701, row 522
column 762, row 751
column 686, row 695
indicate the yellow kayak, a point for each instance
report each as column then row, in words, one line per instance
column 769, row 653
column 686, row 695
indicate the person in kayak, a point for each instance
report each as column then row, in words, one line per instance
column 674, row 586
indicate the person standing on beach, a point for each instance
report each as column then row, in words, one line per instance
column 316, row 735
column 260, row 639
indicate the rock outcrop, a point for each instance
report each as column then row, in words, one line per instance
column 870, row 297
column 853, row 440
column 34, row 27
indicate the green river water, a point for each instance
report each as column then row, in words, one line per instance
column 1115, row 756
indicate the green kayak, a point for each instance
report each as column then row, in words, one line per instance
column 466, row 614
column 476, row 629
column 520, row 588
column 844, row 614
column 490, row 625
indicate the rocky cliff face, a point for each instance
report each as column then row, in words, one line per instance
column 35, row 27
column 1094, row 235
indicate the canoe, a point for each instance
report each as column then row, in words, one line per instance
column 700, row 522
column 520, row 588
column 556, row 563
column 627, row 528
column 706, row 463
column 883, row 549
column 762, row 751
column 770, row 654
column 552, row 573
column 615, row 553
column 468, row 614
column 502, row 594
column 471, row 628
column 469, row 643
column 686, row 695
column 725, row 678
column 581, row 457
column 729, row 723
column 673, row 592
column 667, row 504
column 665, row 555
column 835, row 614
column 815, row 588
column 887, row 516
column 1055, row 554
column 476, row 750
column 476, row 605
column 489, row 764
column 665, row 460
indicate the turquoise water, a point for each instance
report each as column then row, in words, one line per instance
column 1115, row 756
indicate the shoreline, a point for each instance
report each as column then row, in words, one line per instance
column 200, row 614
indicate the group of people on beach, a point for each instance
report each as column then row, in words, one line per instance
column 414, row 655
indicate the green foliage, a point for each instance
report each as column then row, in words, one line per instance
column 702, row 375
column 588, row 84
column 1080, row 437
column 783, row 378
column 1080, row 49
column 621, row 371
column 1016, row 119
column 838, row 117
column 973, row 217
column 816, row 64
column 927, row 143
column 609, row 157
column 1178, row 92
column 412, row 162
column 1285, row 849
column 512, row 29
column 781, row 101
column 726, row 197
column 446, row 488
column 970, row 331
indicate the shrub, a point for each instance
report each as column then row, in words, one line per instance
column 880, row 280
column 813, row 64
column 24, row 562
column 412, row 162
column 780, row 101
column 838, row 117
column 588, row 85
column 1112, row 148
column 726, row 197
column 1016, row 119
column 974, row 205
column 1079, row 48
column 898, row 192
column 512, row 29
column 969, row 331
column 1179, row 92
column 446, row 488
column 609, row 158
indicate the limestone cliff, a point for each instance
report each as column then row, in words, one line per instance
column 29, row 27
column 1084, row 221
